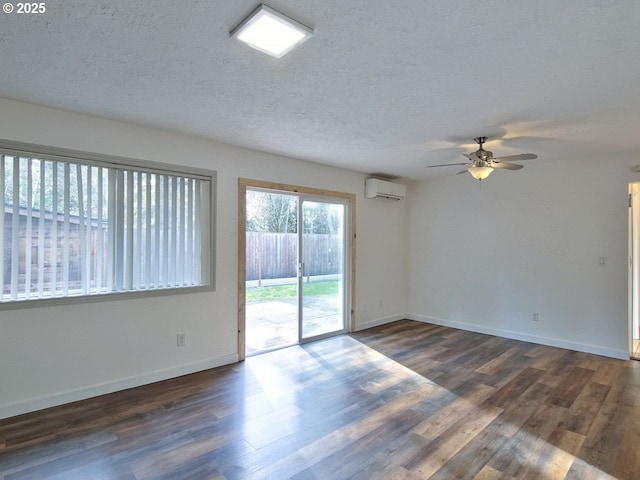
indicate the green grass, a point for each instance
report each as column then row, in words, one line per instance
column 257, row 294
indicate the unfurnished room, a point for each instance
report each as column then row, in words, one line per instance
column 320, row 239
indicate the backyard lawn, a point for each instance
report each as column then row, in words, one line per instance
column 257, row 294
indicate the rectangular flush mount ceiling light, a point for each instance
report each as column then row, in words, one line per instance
column 271, row 32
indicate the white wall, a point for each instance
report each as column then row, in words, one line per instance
column 480, row 259
column 57, row 354
column 527, row 241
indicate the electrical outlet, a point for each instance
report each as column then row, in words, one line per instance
column 181, row 340
column 535, row 317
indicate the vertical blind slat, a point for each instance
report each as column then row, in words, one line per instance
column 138, row 257
column 119, row 229
column 83, row 246
column 53, row 242
column 181, row 232
column 156, row 232
column 174, row 234
column 128, row 258
column 65, row 242
column 148, row 213
column 88, row 231
column 165, row 232
column 114, row 238
column 15, row 237
column 100, row 234
column 189, row 260
column 197, row 236
column 29, row 232
column 41, row 227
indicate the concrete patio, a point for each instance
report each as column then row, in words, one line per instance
column 273, row 323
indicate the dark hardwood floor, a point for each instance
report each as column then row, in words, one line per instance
column 402, row 401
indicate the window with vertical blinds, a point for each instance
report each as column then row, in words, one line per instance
column 79, row 227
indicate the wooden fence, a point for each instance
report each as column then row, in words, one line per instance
column 275, row 255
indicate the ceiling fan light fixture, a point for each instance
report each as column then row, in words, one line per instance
column 482, row 162
column 480, row 173
column 271, row 32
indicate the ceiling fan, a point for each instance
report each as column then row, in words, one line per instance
column 482, row 162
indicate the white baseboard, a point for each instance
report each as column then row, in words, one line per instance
column 552, row 342
column 60, row 398
column 380, row 321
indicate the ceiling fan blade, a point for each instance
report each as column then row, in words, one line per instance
column 484, row 158
column 516, row 158
column 508, row 166
column 462, row 171
column 448, row 164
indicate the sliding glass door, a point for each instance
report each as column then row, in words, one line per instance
column 296, row 258
column 321, row 268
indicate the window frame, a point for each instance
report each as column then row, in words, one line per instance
column 8, row 147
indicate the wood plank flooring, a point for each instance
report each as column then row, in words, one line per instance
column 403, row 401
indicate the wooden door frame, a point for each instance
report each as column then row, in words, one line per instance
column 634, row 241
column 243, row 184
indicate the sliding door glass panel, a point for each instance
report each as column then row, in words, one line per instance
column 271, row 309
column 321, row 270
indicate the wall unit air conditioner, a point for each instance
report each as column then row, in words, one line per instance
column 376, row 188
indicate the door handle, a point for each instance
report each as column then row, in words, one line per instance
column 300, row 269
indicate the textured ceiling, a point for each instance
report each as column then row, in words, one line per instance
column 384, row 86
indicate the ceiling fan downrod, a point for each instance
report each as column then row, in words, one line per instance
column 484, row 156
